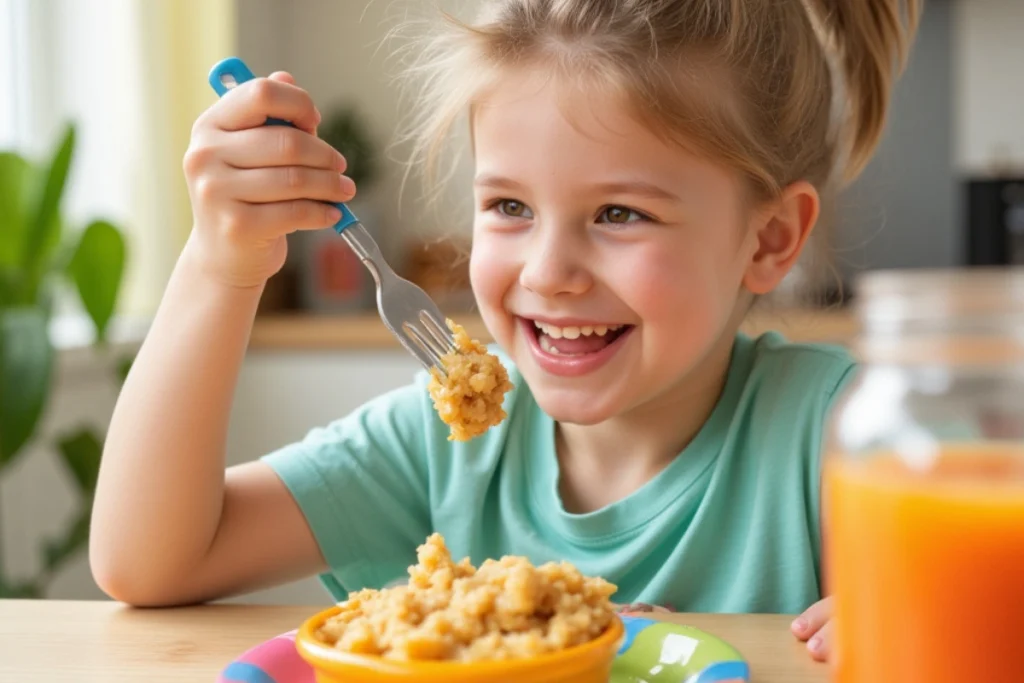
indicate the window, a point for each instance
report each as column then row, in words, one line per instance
column 131, row 76
column 11, row 86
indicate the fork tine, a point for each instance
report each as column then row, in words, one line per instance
column 441, row 334
column 427, row 354
column 437, row 349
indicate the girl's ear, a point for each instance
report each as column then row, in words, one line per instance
column 781, row 232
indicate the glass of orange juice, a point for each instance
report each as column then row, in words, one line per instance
column 923, row 493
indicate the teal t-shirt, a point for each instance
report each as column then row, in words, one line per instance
column 731, row 525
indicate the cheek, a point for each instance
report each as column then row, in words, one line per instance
column 492, row 273
column 487, row 270
column 675, row 287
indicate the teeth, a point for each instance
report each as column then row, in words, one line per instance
column 556, row 332
column 545, row 344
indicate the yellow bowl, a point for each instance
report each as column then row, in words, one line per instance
column 587, row 663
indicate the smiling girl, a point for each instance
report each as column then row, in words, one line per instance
column 644, row 170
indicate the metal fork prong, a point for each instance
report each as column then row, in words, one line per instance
column 432, row 357
column 441, row 334
column 438, row 348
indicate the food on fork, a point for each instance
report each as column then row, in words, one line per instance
column 452, row 611
column 469, row 395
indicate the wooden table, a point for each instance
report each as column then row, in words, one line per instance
column 104, row 642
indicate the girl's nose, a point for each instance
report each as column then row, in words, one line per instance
column 555, row 265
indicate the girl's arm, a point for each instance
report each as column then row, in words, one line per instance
column 169, row 525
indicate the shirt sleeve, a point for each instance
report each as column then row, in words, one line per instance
column 362, row 484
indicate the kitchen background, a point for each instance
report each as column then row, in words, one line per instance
column 946, row 190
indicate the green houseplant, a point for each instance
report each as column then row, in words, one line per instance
column 345, row 130
column 39, row 255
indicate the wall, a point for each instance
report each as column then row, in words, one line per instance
column 904, row 211
column 336, row 49
column 281, row 396
column 958, row 111
column 989, row 41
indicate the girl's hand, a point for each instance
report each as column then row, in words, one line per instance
column 814, row 627
column 252, row 184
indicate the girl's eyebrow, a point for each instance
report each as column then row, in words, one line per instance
column 638, row 188
column 498, row 182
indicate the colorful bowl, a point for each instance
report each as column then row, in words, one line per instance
column 587, row 663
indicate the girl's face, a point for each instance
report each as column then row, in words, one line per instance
column 607, row 263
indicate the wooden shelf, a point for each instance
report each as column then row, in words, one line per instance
column 365, row 331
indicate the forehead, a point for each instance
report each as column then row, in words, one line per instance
column 535, row 124
column 535, row 108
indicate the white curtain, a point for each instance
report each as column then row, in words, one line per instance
column 9, row 86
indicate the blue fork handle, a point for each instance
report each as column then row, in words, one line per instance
column 234, row 69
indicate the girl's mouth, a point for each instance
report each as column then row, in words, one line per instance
column 573, row 350
column 576, row 340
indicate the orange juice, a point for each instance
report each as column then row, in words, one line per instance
column 927, row 569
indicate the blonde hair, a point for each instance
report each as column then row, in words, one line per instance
column 779, row 90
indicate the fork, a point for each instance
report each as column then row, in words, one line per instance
column 408, row 311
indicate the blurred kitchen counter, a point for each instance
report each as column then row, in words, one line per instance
column 308, row 332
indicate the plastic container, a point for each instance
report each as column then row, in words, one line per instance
column 587, row 663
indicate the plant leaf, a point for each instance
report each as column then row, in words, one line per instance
column 20, row 591
column 81, row 452
column 124, row 366
column 26, row 366
column 15, row 172
column 8, row 287
column 59, row 550
column 15, row 179
column 345, row 129
column 45, row 221
column 97, row 268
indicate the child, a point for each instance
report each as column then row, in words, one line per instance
column 644, row 171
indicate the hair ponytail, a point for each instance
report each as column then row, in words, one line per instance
column 870, row 39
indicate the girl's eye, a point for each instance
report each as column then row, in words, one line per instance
column 620, row 215
column 513, row 209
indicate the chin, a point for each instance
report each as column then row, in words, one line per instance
column 574, row 409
